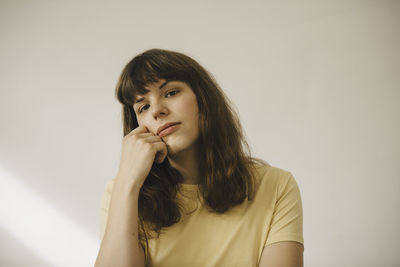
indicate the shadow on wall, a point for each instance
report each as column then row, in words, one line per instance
column 15, row 253
column 34, row 226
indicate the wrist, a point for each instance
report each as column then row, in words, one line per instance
column 130, row 186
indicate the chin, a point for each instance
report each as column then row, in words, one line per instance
column 174, row 149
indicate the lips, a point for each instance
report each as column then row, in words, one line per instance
column 166, row 126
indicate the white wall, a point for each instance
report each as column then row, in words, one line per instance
column 316, row 84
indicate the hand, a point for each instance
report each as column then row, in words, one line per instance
column 140, row 148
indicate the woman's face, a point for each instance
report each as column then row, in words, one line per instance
column 170, row 110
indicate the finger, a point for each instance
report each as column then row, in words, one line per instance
column 144, row 135
column 161, row 152
column 139, row 129
column 152, row 139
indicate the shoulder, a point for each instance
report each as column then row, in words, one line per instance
column 274, row 183
column 279, row 192
column 267, row 174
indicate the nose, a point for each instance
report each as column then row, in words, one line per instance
column 159, row 110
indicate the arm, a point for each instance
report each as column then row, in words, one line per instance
column 120, row 245
column 282, row 254
column 284, row 244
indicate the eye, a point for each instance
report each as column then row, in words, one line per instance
column 143, row 108
column 171, row 93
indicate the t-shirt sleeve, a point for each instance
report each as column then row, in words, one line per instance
column 287, row 220
column 105, row 204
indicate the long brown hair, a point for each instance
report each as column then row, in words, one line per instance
column 227, row 178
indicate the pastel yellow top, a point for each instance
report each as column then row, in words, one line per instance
column 234, row 238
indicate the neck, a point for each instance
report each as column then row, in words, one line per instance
column 186, row 162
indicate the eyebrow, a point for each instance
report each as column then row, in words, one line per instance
column 160, row 87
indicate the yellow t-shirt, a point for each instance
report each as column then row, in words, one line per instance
column 234, row 238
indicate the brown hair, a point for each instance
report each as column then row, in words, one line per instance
column 227, row 178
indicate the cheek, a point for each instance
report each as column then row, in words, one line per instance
column 192, row 111
column 189, row 106
column 143, row 122
column 139, row 121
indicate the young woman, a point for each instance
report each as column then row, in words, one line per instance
column 187, row 192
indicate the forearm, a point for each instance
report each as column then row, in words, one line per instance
column 120, row 246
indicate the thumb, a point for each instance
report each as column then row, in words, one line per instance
column 161, row 155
